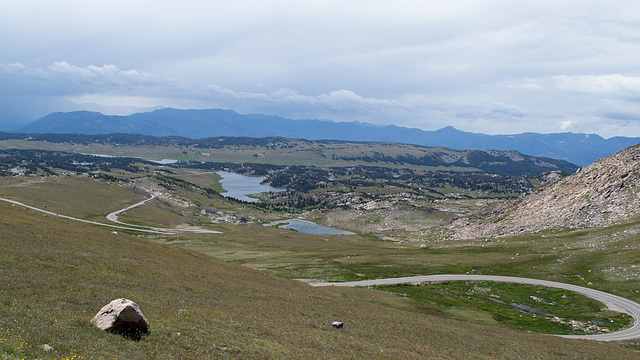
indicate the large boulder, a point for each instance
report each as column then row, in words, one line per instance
column 121, row 316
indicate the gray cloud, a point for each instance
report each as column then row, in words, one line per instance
column 491, row 66
column 61, row 72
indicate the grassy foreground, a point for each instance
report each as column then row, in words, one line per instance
column 56, row 274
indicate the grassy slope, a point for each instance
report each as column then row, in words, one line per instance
column 606, row 258
column 70, row 195
column 55, row 274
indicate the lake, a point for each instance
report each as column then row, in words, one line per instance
column 160, row 162
column 164, row 161
column 308, row 227
column 239, row 186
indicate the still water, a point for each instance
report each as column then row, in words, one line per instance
column 239, row 186
column 308, row 227
column 164, row 161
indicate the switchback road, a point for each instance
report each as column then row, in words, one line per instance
column 613, row 301
column 114, row 217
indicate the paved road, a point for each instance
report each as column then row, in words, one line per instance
column 613, row 301
column 76, row 219
column 114, row 217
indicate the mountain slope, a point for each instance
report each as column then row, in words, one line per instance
column 89, row 122
column 602, row 194
column 56, row 274
column 580, row 149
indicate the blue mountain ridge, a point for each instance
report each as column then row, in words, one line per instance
column 580, row 149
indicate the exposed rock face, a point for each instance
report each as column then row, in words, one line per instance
column 550, row 177
column 121, row 316
column 601, row 194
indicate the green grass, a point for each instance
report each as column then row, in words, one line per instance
column 70, row 195
column 55, row 274
column 154, row 213
column 606, row 258
column 517, row 306
column 566, row 257
column 610, row 254
column 203, row 179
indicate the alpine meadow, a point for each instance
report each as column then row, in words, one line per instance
column 319, row 180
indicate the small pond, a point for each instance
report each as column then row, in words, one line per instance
column 160, row 162
column 308, row 227
column 239, row 186
column 164, row 161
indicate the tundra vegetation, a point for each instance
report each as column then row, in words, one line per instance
column 56, row 273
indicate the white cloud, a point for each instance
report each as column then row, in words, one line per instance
column 63, row 72
column 494, row 66
column 242, row 95
column 609, row 84
column 113, row 101
column 566, row 125
column 338, row 100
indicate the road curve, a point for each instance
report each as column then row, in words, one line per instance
column 77, row 219
column 620, row 303
column 114, row 217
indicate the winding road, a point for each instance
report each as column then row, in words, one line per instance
column 613, row 301
column 114, row 217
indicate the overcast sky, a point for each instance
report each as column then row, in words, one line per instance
column 490, row 66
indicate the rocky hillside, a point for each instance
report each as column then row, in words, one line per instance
column 606, row 192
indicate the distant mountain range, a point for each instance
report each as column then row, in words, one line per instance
column 580, row 149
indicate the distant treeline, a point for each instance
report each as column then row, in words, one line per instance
column 41, row 162
column 498, row 162
column 494, row 163
column 309, row 187
column 304, row 179
column 147, row 140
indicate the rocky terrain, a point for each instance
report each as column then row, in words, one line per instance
column 602, row 194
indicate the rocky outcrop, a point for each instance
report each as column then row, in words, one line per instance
column 604, row 193
column 121, row 316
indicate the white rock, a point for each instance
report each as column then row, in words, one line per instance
column 46, row 347
column 121, row 316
